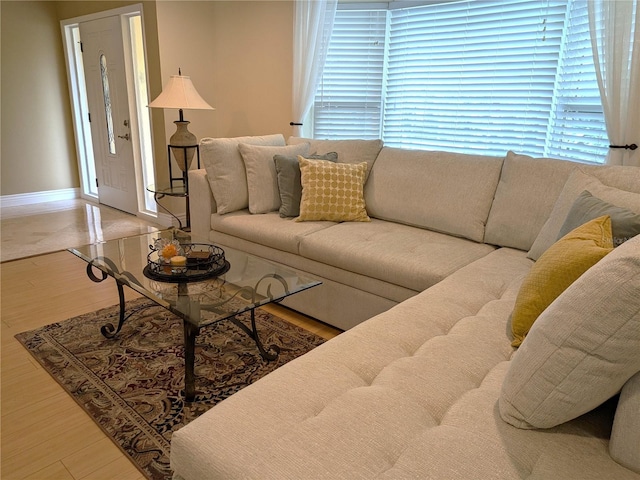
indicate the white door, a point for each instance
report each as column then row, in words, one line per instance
column 104, row 69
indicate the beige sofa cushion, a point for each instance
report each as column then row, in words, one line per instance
column 349, row 151
column 526, row 193
column 262, row 178
column 374, row 400
column 572, row 359
column 225, row 169
column 578, row 182
column 269, row 229
column 411, row 257
column 440, row 191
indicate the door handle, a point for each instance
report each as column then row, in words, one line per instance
column 125, row 136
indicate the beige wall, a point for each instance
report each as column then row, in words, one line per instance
column 238, row 54
column 239, row 57
column 38, row 151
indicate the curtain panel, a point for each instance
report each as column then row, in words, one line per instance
column 313, row 24
column 615, row 40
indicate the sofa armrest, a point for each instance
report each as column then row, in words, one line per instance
column 624, row 445
column 201, row 203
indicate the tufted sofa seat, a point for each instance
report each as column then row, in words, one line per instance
column 411, row 393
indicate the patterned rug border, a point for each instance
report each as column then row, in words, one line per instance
column 94, row 386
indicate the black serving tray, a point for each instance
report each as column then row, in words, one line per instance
column 188, row 275
column 204, row 261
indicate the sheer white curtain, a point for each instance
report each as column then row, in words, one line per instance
column 615, row 38
column 313, row 23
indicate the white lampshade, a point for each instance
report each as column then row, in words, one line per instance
column 181, row 94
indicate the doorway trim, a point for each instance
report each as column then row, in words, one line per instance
column 137, row 87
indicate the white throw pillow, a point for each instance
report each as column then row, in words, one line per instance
column 577, row 183
column 262, row 178
column 225, row 169
column 583, row 347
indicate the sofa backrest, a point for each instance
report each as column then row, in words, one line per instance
column 526, row 193
column 349, row 151
column 441, row 191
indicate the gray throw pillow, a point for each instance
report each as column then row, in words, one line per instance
column 624, row 223
column 289, row 182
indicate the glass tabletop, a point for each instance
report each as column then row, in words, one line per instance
column 245, row 283
column 177, row 190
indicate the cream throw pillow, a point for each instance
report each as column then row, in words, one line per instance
column 582, row 349
column 262, row 178
column 225, row 169
column 558, row 268
column 332, row 191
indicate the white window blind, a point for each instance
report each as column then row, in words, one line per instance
column 467, row 76
column 348, row 102
column 473, row 75
column 577, row 126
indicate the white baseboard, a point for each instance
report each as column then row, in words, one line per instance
column 39, row 197
column 22, row 199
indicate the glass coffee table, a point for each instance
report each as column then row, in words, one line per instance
column 211, row 286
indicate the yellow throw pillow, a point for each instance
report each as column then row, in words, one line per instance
column 560, row 266
column 332, row 191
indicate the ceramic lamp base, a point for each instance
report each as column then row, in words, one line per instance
column 181, row 139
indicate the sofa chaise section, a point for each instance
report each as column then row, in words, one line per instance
column 411, row 393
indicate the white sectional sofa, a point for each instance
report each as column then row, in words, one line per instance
column 431, row 386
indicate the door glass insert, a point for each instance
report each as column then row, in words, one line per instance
column 111, row 141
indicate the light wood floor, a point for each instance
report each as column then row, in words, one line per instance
column 44, row 433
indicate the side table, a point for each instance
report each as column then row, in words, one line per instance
column 177, row 190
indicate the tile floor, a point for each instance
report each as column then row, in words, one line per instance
column 48, row 227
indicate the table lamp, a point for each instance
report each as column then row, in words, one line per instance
column 180, row 93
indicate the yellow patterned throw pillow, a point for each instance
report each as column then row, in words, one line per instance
column 332, row 191
column 561, row 265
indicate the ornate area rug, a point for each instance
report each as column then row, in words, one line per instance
column 132, row 386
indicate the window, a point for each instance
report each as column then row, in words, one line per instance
column 465, row 76
column 577, row 128
column 349, row 98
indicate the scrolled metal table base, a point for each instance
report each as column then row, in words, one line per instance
column 191, row 331
column 109, row 330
